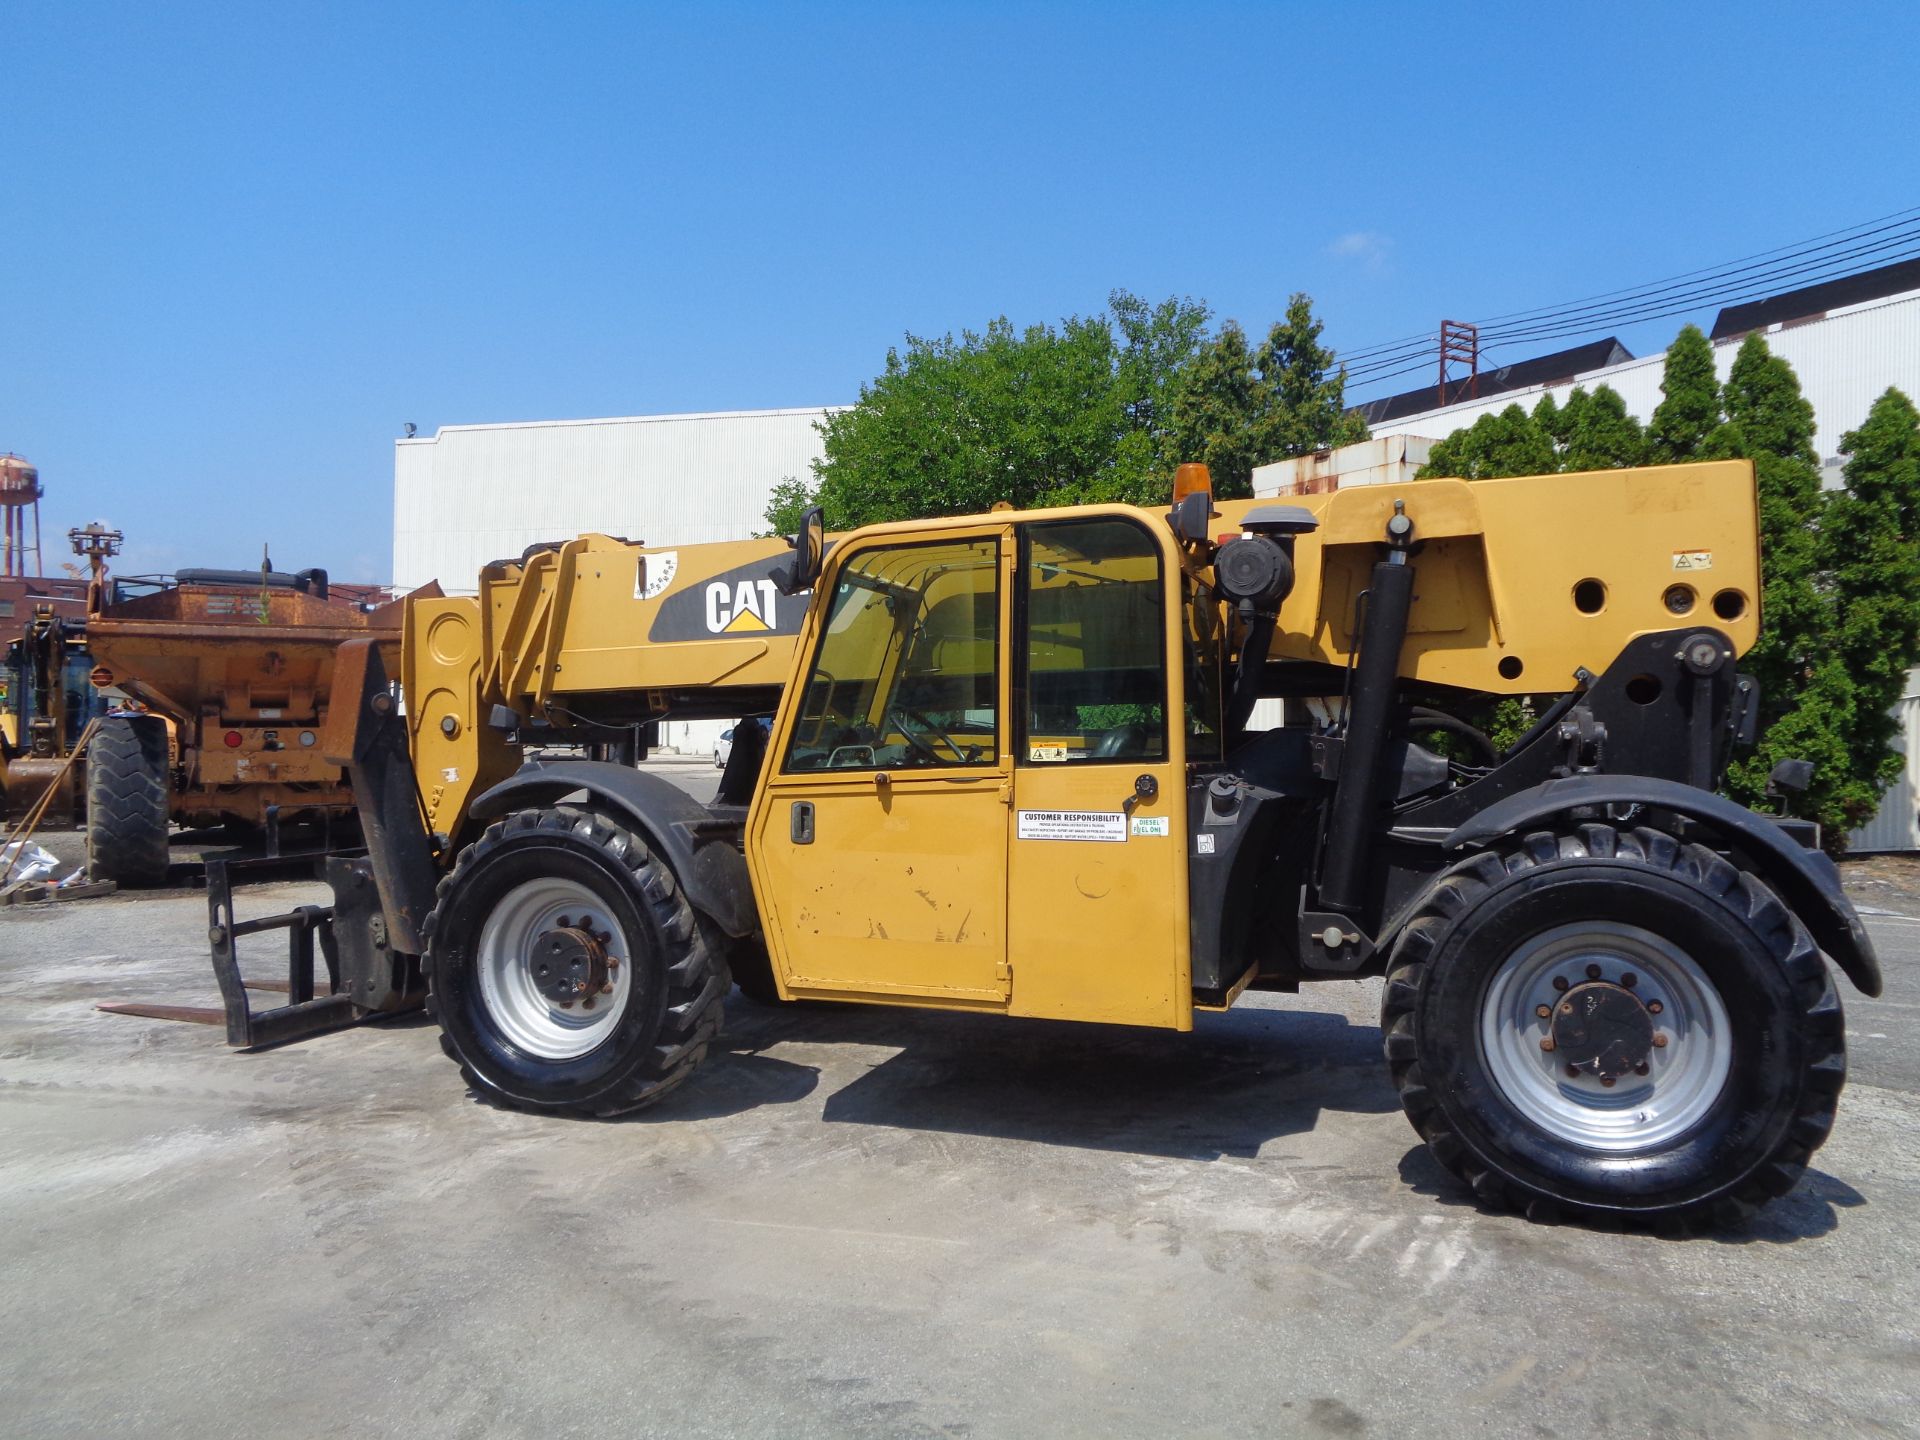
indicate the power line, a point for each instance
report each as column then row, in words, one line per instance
column 1833, row 255
column 1829, row 266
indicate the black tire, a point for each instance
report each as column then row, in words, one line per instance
column 128, row 767
column 1746, row 1142
column 676, row 980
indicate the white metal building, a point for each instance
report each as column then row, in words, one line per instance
column 473, row 493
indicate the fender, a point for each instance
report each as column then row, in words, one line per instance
column 700, row 849
column 1807, row 880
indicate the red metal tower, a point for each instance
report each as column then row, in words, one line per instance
column 1459, row 345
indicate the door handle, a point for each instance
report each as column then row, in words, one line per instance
column 800, row 822
column 1145, row 787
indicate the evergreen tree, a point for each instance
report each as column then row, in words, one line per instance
column 1771, row 424
column 1687, row 424
column 1237, row 406
column 1601, row 434
column 1556, row 421
column 1506, row 442
column 1872, row 543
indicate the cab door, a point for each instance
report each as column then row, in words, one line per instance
column 878, row 844
column 1097, row 887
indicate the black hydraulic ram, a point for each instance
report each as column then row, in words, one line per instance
column 1352, row 817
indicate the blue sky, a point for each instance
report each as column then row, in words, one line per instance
column 244, row 244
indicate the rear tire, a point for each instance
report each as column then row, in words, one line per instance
column 128, row 765
column 506, row 898
column 1716, row 1108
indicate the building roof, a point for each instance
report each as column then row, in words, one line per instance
column 1812, row 301
column 1552, row 369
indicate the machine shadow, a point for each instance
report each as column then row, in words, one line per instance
column 1238, row 1081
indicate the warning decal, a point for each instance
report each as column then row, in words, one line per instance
column 655, row 574
column 1098, row 825
column 1693, row 559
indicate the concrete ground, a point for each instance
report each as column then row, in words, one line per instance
column 869, row 1223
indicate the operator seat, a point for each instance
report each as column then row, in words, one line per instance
column 743, row 763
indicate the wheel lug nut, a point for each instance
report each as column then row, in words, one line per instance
column 1642, row 1068
column 1659, row 1042
column 1566, row 1007
column 566, row 1004
column 1546, row 1042
column 1559, row 982
column 605, row 937
column 1543, row 1011
column 563, row 922
column 587, row 1004
column 1654, row 1007
column 1593, row 972
column 1607, row 1080
column 1629, row 980
column 1573, row 1072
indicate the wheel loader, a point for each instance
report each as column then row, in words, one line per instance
column 1012, row 767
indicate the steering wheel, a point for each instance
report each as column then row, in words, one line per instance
column 899, row 714
column 1121, row 741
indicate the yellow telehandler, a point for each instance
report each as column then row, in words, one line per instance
column 1012, row 767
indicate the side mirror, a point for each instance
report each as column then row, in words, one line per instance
column 809, row 549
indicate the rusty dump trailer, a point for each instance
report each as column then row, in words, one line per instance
column 234, row 669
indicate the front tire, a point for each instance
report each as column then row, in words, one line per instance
column 1605, row 1024
column 566, row 968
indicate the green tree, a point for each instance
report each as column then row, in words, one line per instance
column 1505, row 442
column 1687, row 423
column 1555, row 421
column 1600, row 433
column 1770, row 423
column 1871, row 537
column 1237, row 406
column 1157, row 343
column 1096, row 409
column 951, row 426
column 788, row 504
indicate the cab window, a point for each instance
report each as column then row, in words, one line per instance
column 907, row 673
column 1095, row 652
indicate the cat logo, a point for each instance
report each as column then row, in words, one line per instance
column 738, row 609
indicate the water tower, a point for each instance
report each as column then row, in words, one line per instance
column 19, row 503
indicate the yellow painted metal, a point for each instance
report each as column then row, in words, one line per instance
column 1495, row 607
column 1100, row 927
column 456, row 754
column 900, row 893
column 917, row 890
column 611, row 597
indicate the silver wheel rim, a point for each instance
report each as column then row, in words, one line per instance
column 525, row 1016
column 1685, row 1074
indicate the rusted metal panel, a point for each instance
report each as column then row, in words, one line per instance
column 245, row 674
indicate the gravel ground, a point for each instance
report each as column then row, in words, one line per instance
column 862, row 1222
